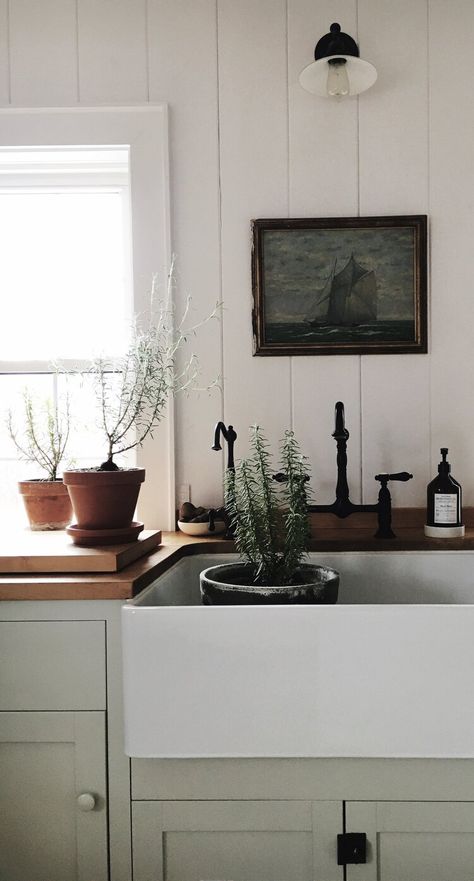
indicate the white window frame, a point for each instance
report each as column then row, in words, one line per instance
column 145, row 130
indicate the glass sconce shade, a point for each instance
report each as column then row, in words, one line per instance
column 320, row 76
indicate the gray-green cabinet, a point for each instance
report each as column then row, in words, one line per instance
column 278, row 819
column 53, row 763
column 296, row 840
column 414, row 841
column 238, row 840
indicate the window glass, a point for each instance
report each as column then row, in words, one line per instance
column 66, row 254
column 62, row 274
column 66, row 291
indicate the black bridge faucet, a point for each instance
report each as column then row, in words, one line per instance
column 342, row 506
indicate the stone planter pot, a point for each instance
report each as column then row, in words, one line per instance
column 47, row 503
column 104, row 499
column 230, row 584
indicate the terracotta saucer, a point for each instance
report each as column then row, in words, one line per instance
column 90, row 537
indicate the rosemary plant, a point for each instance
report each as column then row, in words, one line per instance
column 44, row 435
column 133, row 390
column 271, row 527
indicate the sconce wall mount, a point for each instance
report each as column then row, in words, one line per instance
column 337, row 70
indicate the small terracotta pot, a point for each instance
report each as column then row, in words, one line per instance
column 47, row 503
column 104, row 499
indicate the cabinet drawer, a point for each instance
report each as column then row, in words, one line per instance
column 52, row 665
column 268, row 840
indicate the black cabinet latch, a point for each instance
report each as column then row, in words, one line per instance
column 351, row 848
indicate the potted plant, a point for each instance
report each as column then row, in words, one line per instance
column 132, row 394
column 271, row 531
column 43, row 440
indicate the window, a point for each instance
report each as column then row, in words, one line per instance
column 84, row 228
column 66, row 253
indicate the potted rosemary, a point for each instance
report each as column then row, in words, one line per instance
column 132, row 393
column 271, row 531
column 42, row 440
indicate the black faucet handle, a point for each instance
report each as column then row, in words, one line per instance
column 400, row 475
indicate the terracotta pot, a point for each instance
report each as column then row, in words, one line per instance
column 104, row 499
column 230, row 584
column 47, row 503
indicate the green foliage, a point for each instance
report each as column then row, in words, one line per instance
column 270, row 525
column 133, row 390
column 44, row 435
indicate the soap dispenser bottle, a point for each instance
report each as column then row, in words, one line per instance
column 444, row 503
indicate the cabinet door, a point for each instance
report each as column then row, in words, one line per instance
column 413, row 841
column 47, row 760
column 236, row 841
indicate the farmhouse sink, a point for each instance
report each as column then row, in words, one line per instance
column 387, row 672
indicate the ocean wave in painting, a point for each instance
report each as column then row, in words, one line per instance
column 380, row 331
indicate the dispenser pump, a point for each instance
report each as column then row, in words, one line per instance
column 444, row 503
column 444, row 467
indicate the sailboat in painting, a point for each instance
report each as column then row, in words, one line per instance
column 348, row 298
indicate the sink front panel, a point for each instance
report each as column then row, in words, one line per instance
column 359, row 679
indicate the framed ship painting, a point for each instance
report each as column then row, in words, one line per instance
column 346, row 285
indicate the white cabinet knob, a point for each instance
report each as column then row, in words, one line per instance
column 86, row 801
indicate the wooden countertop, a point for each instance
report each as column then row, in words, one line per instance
column 106, row 585
column 133, row 578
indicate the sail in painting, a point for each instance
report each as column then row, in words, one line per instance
column 348, row 298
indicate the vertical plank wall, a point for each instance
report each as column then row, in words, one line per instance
column 393, row 179
column 323, row 183
column 246, row 141
column 182, row 47
column 42, row 51
column 451, row 140
column 254, row 179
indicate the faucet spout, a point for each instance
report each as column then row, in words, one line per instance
column 341, row 436
column 230, row 436
column 217, row 432
column 340, row 430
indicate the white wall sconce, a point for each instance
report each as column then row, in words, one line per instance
column 337, row 70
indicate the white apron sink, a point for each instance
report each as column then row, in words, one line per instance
column 387, row 672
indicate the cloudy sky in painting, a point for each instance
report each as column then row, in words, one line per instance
column 298, row 262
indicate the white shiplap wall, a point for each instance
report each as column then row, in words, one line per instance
column 246, row 141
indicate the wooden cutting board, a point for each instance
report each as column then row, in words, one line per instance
column 26, row 551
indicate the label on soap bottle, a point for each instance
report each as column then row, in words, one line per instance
column 445, row 508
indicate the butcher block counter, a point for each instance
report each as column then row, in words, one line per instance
column 59, row 556
column 38, row 570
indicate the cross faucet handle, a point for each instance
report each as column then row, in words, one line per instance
column 384, row 504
